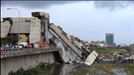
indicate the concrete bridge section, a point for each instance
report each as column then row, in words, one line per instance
column 25, row 58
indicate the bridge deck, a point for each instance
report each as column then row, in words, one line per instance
column 26, row 51
column 59, row 32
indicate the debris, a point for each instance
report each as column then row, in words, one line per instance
column 91, row 58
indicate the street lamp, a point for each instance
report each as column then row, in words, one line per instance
column 18, row 17
column 16, row 10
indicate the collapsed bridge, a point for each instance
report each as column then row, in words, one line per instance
column 38, row 29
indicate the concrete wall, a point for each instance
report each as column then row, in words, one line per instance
column 20, row 27
column 27, row 61
column 5, row 27
column 35, row 31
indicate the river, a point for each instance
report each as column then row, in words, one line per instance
column 79, row 69
column 95, row 69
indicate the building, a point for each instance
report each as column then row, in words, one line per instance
column 109, row 39
column 99, row 43
column 86, row 44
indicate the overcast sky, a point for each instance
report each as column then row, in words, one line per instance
column 88, row 20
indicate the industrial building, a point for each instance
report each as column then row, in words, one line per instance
column 109, row 39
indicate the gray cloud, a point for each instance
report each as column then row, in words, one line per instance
column 112, row 4
column 35, row 4
column 44, row 4
column 83, row 19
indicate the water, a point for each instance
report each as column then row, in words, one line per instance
column 70, row 69
column 80, row 69
column 119, row 71
column 62, row 69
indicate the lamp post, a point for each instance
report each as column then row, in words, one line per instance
column 18, row 17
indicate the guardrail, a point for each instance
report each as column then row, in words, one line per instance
column 26, row 51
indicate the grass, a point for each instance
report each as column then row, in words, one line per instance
column 107, row 68
column 80, row 71
column 41, row 69
column 110, row 52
